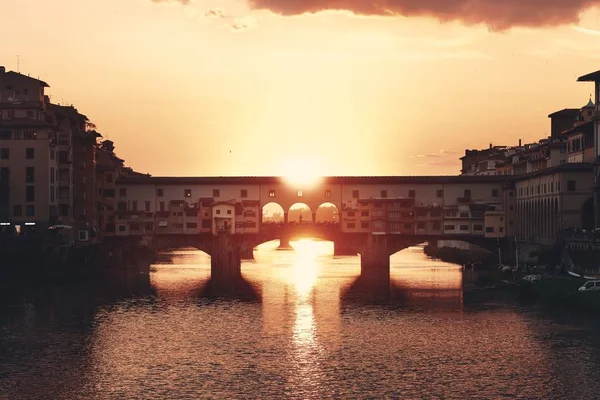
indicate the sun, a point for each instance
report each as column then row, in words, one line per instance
column 302, row 172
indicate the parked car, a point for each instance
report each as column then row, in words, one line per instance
column 590, row 285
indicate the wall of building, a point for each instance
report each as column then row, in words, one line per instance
column 45, row 193
column 547, row 203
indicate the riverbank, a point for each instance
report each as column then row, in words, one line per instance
column 33, row 267
column 547, row 291
column 484, row 259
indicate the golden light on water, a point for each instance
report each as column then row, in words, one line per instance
column 305, row 269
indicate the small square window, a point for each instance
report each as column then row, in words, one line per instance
column 123, row 192
column 218, row 212
column 187, row 193
column 495, row 193
column 439, row 193
column 30, row 211
column 29, row 174
column 216, row 193
column 244, row 193
column 4, row 153
column 272, row 193
column 412, row 193
column 299, row 193
column 17, row 211
column 30, row 153
column 467, row 193
column 228, row 212
column 327, row 193
column 571, row 186
column 384, row 194
column 355, row 194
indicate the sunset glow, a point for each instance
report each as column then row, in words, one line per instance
column 301, row 172
column 247, row 90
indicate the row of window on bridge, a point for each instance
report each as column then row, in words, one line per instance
column 187, row 193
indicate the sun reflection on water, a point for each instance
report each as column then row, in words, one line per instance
column 305, row 269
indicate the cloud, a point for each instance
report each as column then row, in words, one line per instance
column 445, row 163
column 214, row 13
column 498, row 15
column 236, row 24
column 242, row 24
column 441, row 153
column 587, row 31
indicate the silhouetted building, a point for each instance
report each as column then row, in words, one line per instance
column 28, row 155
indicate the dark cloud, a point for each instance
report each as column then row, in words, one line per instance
column 496, row 14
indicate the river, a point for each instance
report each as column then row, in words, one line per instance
column 301, row 325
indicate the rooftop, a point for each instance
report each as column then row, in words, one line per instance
column 246, row 180
column 17, row 75
column 572, row 167
column 592, row 77
column 68, row 112
column 567, row 112
column 579, row 128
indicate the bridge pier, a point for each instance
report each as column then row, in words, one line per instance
column 225, row 260
column 374, row 253
column 284, row 243
column 247, row 253
column 343, row 249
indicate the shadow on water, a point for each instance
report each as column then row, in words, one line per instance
column 73, row 299
column 231, row 288
column 380, row 287
column 372, row 287
column 46, row 331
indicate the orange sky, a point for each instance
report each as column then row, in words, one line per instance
column 215, row 88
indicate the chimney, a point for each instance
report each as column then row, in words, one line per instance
column 2, row 69
column 519, row 142
column 490, row 145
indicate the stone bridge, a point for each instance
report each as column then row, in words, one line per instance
column 228, row 250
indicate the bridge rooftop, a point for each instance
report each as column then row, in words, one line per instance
column 232, row 180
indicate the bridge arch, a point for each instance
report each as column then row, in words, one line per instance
column 273, row 213
column 300, row 213
column 327, row 213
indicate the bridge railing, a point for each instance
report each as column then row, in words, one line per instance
column 299, row 228
column 580, row 235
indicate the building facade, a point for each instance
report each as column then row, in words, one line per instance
column 395, row 205
column 28, row 157
column 554, row 199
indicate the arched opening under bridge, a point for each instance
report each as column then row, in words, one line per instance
column 327, row 213
column 300, row 213
column 272, row 213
